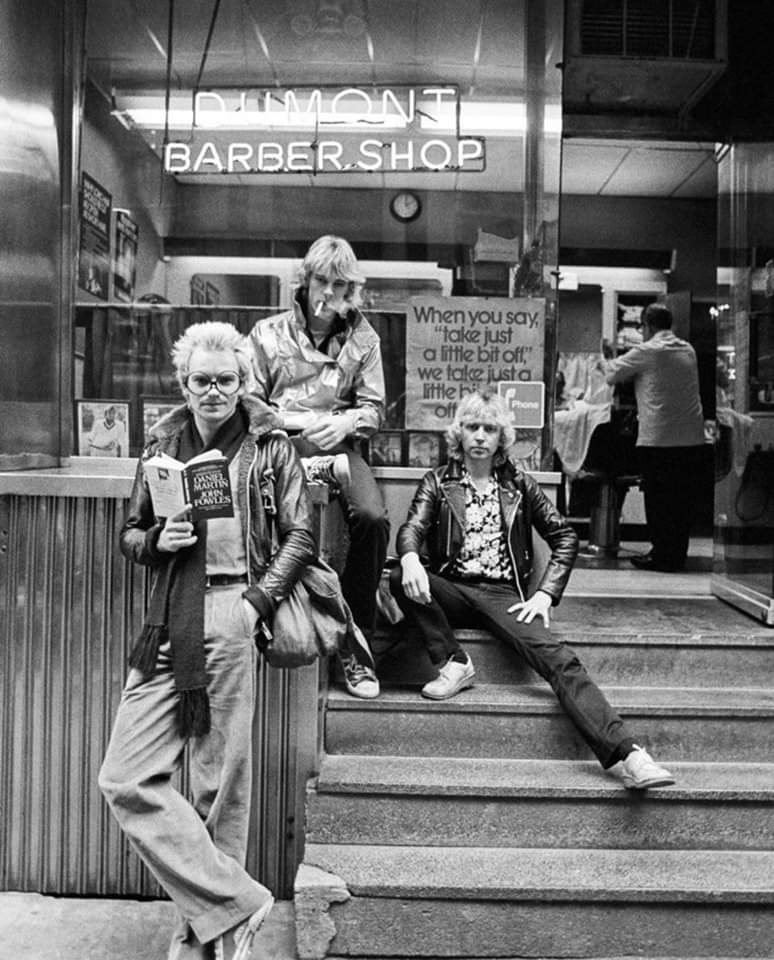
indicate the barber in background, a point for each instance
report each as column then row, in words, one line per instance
column 670, row 440
column 319, row 366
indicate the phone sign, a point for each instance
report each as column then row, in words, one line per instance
column 526, row 399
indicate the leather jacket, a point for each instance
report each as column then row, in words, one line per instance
column 279, row 547
column 435, row 526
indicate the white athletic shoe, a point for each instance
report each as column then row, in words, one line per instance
column 452, row 677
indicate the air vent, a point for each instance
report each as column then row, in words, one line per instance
column 672, row 29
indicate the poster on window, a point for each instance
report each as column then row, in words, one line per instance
column 94, row 239
column 125, row 240
column 458, row 344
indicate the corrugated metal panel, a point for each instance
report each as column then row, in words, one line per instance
column 71, row 607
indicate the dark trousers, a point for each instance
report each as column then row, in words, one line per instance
column 670, row 485
column 484, row 604
column 369, row 534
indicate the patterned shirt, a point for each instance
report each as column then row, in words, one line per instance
column 484, row 552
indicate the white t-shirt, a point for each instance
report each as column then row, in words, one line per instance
column 108, row 440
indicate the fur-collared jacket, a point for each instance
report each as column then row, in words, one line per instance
column 435, row 525
column 279, row 547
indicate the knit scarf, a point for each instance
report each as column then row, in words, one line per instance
column 176, row 609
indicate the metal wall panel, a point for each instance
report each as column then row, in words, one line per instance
column 71, row 606
column 40, row 83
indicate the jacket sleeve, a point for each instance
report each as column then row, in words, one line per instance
column 261, row 366
column 296, row 545
column 369, row 394
column 627, row 366
column 140, row 532
column 558, row 534
column 421, row 514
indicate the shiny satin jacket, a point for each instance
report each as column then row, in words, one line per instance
column 264, row 451
column 435, row 526
column 300, row 382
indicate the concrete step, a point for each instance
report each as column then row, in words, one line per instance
column 429, row 801
column 408, row 901
column 658, row 642
column 527, row 722
column 611, row 657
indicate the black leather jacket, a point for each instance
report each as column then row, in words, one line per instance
column 435, row 526
column 268, row 465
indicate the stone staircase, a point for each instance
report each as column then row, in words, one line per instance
column 481, row 826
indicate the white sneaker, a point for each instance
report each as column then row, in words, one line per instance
column 237, row 943
column 639, row 771
column 452, row 677
column 329, row 468
column 360, row 680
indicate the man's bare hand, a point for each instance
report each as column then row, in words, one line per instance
column 328, row 431
column 538, row 605
column 415, row 582
column 177, row 532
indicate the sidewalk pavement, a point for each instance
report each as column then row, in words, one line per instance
column 36, row 927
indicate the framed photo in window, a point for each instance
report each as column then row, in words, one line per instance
column 385, row 449
column 153, row 409
column 424, row 448
column 102, row 428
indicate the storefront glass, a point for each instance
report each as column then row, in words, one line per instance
column 217, row 148
column 744, row 467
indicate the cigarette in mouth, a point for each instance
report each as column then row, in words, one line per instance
column 318, row 308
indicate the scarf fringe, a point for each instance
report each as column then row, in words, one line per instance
column 146, row 650
column 193, row 712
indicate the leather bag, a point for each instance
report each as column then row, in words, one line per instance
column 310, row 622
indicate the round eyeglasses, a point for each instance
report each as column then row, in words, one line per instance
column 200, row 383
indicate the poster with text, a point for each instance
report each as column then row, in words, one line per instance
column 458, row 344
column 94, row 245
column 126, row 237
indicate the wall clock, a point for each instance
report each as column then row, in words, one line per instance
column 405, row 206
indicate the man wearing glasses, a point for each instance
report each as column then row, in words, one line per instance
column 466, row 561
column 217, row 583
column 319, row 366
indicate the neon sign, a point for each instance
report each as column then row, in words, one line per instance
column 351, row 130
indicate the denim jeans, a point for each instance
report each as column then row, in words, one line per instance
column 196, row 850
column 484, row 604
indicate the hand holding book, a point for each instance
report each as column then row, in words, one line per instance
column 202, row 486
column 177, row 532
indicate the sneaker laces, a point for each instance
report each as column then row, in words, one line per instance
column 319, row 469
column 355, row 672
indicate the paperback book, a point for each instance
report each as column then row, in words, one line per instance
column 203, row 482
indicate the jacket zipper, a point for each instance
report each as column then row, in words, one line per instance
column 449, row 527
column 248, row 510
column 510, row 549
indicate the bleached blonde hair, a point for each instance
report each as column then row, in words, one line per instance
column 213, row 335
column 484, row 406
column 332, row 256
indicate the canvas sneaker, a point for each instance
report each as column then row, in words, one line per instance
column 237, row 943
column 332, row 469
column 359, row 679
column 452, row 677
column 639, row 771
